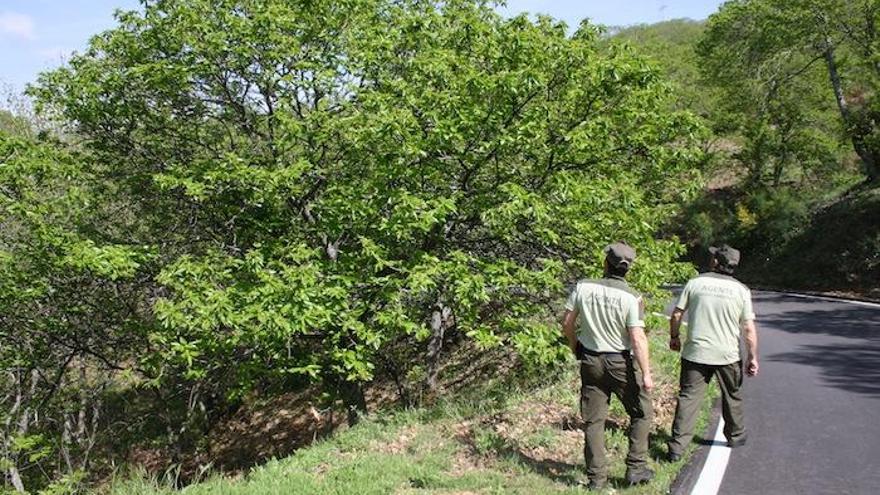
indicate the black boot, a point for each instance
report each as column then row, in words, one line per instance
column 639, row 476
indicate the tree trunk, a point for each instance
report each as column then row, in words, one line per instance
column 391, row 366
column 439, row 323
column 869, row 160
column 15, row 478
column 23, row 396
column 355, row 401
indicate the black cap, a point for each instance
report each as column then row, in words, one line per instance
column 725, row 255
column 620, row 255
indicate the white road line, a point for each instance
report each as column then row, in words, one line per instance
column 830, row 299
column 716, row 464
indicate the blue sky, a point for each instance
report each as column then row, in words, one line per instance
column 36, row 35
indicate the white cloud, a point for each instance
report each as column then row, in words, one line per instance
column 16, row 25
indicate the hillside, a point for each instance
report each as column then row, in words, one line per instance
column 671, row 45
column 838, row 251
column 807, row 226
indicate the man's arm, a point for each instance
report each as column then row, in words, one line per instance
column 640, row 350
column 674, row 326
column 751, row 338
column 568, row 327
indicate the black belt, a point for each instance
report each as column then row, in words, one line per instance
column 624, row 353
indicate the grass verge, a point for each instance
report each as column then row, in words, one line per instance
column 512, row 435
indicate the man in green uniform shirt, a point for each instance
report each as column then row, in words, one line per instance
column 719, row 307
column 604, row 326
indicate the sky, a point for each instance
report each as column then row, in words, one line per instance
column 37, row 35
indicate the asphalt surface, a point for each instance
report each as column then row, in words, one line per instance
column 813, row 413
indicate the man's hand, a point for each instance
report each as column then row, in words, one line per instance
column 569, row 320
column 647, row 381
column 640, row 352
column 674, row 326
column 751, row 338
column 752, row 368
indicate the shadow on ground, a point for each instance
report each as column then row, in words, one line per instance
column 852, row 365
column 856, row 369
column 796, row 315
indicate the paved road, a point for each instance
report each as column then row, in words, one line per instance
column 813, row 413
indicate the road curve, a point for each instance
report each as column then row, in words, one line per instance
column 813, row 413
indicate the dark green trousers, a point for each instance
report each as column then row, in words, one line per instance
column 601, row 376
column 692, row 382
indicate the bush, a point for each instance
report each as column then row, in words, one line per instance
column 761, row 221
column 778, row 215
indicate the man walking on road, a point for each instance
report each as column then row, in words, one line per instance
column 610, row 333
column 718, row 306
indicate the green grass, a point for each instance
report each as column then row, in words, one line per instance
column 501, row 439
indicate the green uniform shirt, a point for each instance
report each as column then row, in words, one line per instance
column 606, row 308
column 717, row 305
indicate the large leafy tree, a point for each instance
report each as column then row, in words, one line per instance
column 323, row 179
